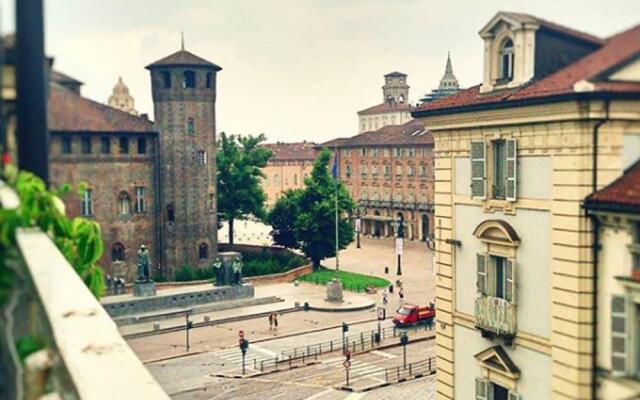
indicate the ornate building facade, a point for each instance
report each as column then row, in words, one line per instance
column 514, row 158
column 121, row 98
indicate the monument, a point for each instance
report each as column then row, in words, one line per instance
column 143, row 286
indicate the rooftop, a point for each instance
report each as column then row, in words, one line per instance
column 410, row 133
column 387, row 107
column 183, row 58
column 298, row 151
column 622, row 195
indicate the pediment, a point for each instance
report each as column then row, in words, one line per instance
column 502, row 21
column 497, row 231
column 496, row 359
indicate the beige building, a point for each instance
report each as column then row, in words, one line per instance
column 616, row 213
column 394, row 109
column 287, row 168
column 121, row 99
column 514, row 158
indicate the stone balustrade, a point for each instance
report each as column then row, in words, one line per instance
column 495, row 316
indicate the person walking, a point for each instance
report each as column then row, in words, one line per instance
column 385, row 297
column 401, row 295
column 270, row 321
column 275, row 320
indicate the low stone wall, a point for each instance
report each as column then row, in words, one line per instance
column 250, row 248
column 280, row 278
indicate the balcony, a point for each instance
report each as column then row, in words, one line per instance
column 80, row 353
column 495, row 317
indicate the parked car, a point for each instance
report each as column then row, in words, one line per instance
column 411, row 314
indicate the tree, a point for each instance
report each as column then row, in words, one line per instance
column 240, row 161
column 305, row 218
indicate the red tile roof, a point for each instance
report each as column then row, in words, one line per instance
column 58, row 76
column 301, row 151
column 386, row 107
column 182, row 58
column 615, row 52
column 623, row 194
column 68, row 111
column 391, row 135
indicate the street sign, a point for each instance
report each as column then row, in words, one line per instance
column 241, row 334
column 382, row 313
column 398, row 246
column 347, row 364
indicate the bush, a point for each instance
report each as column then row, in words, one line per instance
column 263, row 263
column 188, row 273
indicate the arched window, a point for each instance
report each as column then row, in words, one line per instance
column 203, row 251
column 124, row 203
column 117, row 252
column 189, row 79
column 506, row 60
column 170, row 213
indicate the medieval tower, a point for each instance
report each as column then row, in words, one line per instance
column 184, row 96
column 395, row 89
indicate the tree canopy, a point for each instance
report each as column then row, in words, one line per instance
column 240, row 160
column 305, row 218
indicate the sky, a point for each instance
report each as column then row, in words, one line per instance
column 293, row 69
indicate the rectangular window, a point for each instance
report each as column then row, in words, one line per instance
column 209, row 80
column 412, row 151
column 487, row 390
column 66, row 144
column 191, row 129
column 124, row 145
column 496, row 277
column 202, row 157
column 211, row 202
column 478, row 169
column 166, row 79
column 387, row 170
column 142, row 145
column 86, row 144
column 635, row 250
column 364, row 195
column 398, row 170
column 105, row 145
column 619, row 341
column 363, row 152
column 409, row 170
column 139, row 209
column 87, row 203
column 423, row 171
column 189, row 79
column 499, row 168
column 348, row 171
column 398, row 152
column 376, row 152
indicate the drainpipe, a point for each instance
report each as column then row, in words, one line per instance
column 595, row 249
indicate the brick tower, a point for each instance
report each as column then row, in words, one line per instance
column 184, row 96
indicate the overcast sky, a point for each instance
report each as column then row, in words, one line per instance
column 296, row 69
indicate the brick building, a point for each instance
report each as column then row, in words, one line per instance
column 147, row 183
column 389, row 173
column 287, row 167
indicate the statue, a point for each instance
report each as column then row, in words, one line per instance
column 219, row 272
column 400, row 228
column 237, row 271
column 143, row 264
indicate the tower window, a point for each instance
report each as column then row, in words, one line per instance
column 86, row 145
column 117, row 252
column 166, row 79
column 171, row 217
column 140, row 200
column 105, row 145
column 209, row 80
column 202, row 157
column 506, row 61
column 142, row 145
column 211, row 202
column 189, row 79
column 191, row 130
column 124, row 145
column 87, row 203
column 66, row 144
column 203, row 251
column 124, row 203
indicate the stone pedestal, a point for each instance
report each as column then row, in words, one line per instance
column 228, row 257
column 144, row 288
column 334, row 291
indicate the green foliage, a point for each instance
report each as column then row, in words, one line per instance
column 27, row 345
column 350, row 280
column 305, row 219
column 188, row 273
column 79, row 240
column 240, row 160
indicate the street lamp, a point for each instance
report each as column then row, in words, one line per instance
column 399, row 228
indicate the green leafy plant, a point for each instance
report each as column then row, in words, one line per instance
column 350, row 280
column 78, row 239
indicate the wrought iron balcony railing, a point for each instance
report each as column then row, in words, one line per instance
column 495, row 316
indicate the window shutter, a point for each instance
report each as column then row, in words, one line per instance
column 618, row 335
column 514, row 396
column 478, row 170
column 512, row 170
column 481, row 273
column 510, row 281
column 482, row 389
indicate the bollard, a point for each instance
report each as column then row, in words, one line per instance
column 206, row 318
column 398, row 373
column 295, row 352
column 354, row 347
column 289, row 361
column 254, row 364
column 410, row 369
column 331, row 346
column 308, row 350
column 386, row 375
column 429, row 364
column 261, row 365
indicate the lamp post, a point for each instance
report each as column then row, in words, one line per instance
column 399, row 227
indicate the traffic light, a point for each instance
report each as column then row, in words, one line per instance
column 244, row 345
column 345, row 327
column 189, row 324
column 404, row 339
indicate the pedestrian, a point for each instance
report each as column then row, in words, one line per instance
column 275, row 320
column 270, row 321
column 385, row 297
column 401, row 295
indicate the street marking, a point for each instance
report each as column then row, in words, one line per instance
column 383, row 354
column 262, row 350
column 355, row 396
column 320, row 394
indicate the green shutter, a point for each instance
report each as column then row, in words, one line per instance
column 619, row 340
column 510, row 281
column 512, row 170
column 478, row 169
column 514, row 396
column 481, row 261
column 482, row 389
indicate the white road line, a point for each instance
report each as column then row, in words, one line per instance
column 355, row 396
column 383, row 354
column 262, row 350
column 320, row 394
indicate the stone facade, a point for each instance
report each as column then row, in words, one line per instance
column 514, row 260
column 121, row 98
